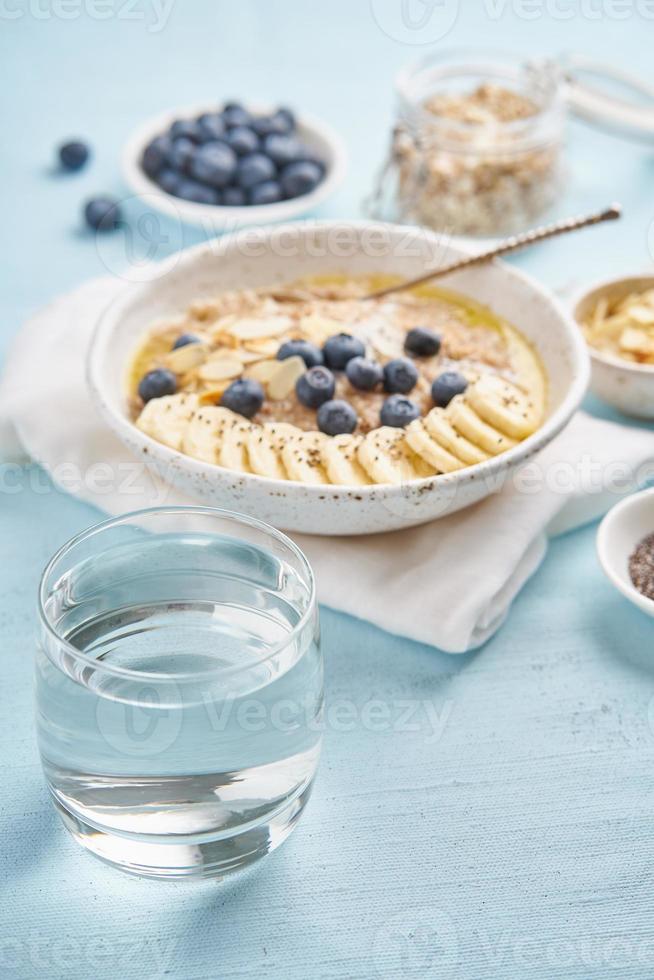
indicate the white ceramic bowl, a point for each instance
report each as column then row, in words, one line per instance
column 626, row 386
column 317, row 135
column 283, row 253
column 622, row 529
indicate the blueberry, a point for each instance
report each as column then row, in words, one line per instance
column 245, row 396
column 276, row 123
column 315, row 387
column 235, row 115
column 300, row 178
column 242, row 140
column 398, row 411
column 422, row 342
column 189, row 128
column 336, row 417
column 213, row 163
column 253, row 169
column 185, row 339
column 102, row 213
column 282, row 149
column 211, row 126
column 268, row 192
column 157, row 383
column 73, row 155
column 400, row 375
column 181, row 153
column 191, row 190
column 234, row 197
column 285, row 117
column 340, row 349
column 169, row 180
column 310, row 354
column 446, row 386
column 363, row 373
column 156, row 155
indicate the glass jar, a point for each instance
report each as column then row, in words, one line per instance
column 478, row 145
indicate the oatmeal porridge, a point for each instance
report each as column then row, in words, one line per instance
column 312, row 382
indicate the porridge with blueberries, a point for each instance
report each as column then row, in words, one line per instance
column 313, row 382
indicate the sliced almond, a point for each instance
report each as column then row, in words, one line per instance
column 264, row 327
column 185, row 358
column 219, row 368
column 265, row 348
column 222, row 324
column 262, row 371
column 318, row 328
column 282, row 381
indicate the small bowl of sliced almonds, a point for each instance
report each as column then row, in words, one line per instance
column 616, row 317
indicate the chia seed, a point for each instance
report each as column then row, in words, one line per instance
column 641, row 567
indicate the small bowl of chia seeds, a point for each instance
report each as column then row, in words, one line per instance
column 625, row 548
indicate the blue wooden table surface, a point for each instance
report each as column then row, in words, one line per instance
column 496, row 817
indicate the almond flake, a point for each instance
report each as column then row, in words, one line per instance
column 271, row 326
column 267, row 348
column 318, row 328
column 282, row 382
column 185, row 358
column 220, row 368
column 262, row 371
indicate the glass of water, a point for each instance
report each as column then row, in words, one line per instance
column 179, row 689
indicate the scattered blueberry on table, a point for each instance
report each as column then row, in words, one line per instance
column 249, row 159
column 315, row 387
column 446, row 386
column 398, row 411
column 336, row 417
column 102, row 213
column 156, row 384
column 400, row 376
column 244, row 396
column 73, row 155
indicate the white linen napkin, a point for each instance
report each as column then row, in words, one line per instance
column 449, row 583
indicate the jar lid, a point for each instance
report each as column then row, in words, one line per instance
column 627, row 110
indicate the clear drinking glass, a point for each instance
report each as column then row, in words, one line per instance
column 179, row 689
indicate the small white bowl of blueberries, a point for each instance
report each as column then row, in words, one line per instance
column 234, row 165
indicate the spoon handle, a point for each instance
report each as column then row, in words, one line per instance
column 508, row 245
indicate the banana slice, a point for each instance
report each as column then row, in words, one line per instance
column 302, row 457
column 166, row 418
column 339, row 457
column 428, row 449
column 445, row 435
column 203, row 433
column 387, row 458
column 233, row 453
column 503, row 405
column 264, row 443
column 468, row 423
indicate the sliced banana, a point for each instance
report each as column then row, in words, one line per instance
column 339, row 457
column 387, row 458
column 444, row 434
column 203, row 435
column 468, row 423
column 421, row 442
column 302, row 457
column 265, row 443
column 165, row 419
column 233, row 453
column 503, row 405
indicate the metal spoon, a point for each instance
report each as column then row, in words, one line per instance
column 508, row 245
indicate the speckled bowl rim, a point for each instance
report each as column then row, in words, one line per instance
column 599, row 286
column 580, row 369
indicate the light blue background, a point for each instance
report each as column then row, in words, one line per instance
column 519, row 843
